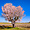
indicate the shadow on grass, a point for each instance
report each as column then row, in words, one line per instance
column 9, row 27
column 5, row 27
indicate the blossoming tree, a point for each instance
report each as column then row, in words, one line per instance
column 12, row 13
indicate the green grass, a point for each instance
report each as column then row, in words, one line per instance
column 16, row 28
column 10, row 28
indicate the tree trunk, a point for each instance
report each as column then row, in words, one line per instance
column 13, row 23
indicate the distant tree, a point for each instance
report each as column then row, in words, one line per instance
column 12, row 13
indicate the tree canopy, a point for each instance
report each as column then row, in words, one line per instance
column 11, row 12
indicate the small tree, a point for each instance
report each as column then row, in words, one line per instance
column 12, row 13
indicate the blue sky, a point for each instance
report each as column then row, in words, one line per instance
column 25, row 4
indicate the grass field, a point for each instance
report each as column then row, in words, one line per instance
column 15, row 23
column 19, row 26
column 16, row 28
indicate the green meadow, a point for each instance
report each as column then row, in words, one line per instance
column 16, row 28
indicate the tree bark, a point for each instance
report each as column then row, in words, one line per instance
column 13, row 23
